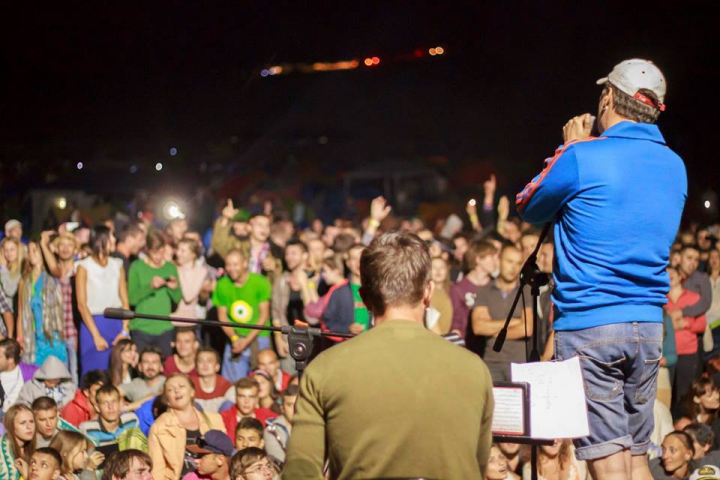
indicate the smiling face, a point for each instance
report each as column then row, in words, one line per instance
column 179, row 392
column 10, row 250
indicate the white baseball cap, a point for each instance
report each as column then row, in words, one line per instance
column 706, row 472
column 11, row 224
column 629, row 76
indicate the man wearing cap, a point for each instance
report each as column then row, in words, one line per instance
column 616, row 201
column 706, row 472
column 13, row 229
column 211, row 456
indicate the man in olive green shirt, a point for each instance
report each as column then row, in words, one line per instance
column 396, row 401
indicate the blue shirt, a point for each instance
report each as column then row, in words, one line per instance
column 617, row 202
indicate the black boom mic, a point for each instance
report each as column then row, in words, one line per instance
column 119, row 313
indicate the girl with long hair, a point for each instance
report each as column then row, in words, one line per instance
column 76, row 463
column 100, row 284
column 41, row 319
column 123, row 361
column 18, row 443
column 556, row 462
column 195, row 282
column 267, row 393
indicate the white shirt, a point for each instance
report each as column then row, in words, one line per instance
column 103, row 284
column 12, row 382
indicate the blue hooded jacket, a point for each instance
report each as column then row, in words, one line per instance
column 617, row 202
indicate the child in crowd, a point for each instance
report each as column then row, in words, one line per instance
column 77, row 464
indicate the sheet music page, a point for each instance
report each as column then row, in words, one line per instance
column 557, row 398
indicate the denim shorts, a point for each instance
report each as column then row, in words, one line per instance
column 620, row 364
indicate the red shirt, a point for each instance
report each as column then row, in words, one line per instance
column 230, row 419
column 282, row 380
column 78, row 410
column 171, row 367
column 686, row 342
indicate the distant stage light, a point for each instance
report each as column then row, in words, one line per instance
column 62, row 203
column 158, row 166
column 707, row 203
column 133, row 169
column 171, row 210
column 432, row 52
column 80, row 165
column 173, row 151
column 368, row 62
column 264, row 73
column 375, row 60
column 354, row 63
column 439, row 50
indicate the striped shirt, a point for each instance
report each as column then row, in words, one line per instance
column 94, row 429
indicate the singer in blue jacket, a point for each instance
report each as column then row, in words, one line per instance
column 616, row 200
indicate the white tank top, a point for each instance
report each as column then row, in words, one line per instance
column 103, row 284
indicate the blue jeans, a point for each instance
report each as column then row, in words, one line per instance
column 236, row 367
column 620, row 364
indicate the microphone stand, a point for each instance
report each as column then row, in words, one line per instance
column 531, row 276
column 300, row 335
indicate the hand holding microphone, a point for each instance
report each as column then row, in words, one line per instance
column 578, row 128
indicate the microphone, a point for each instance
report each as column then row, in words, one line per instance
column 119, row 313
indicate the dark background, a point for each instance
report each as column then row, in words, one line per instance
column 117, row 85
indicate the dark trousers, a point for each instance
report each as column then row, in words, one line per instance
column 685, row 372
column 163, row 341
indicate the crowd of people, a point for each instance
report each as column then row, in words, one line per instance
column 84, row 395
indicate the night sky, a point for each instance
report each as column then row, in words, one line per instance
column 119, row 84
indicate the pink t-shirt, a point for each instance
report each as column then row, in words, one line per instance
column 686, row 342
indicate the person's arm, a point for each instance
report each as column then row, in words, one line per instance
column 488, row 206
column 173, row 287
column 279, row 316
column 263, row 317
column 483, row 324
column 87, row 318
column 459, row 319
column 702, row 305
column 545, row 195
column 306, row 448
column 669, row 349
column 221, row 240
column 138, row 287
column 48, row 255
column 695, row 324
column 19, row 334
column 379, row 210
column 485, row 442
column 122, row 287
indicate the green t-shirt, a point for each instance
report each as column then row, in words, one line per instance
column 154, row 302
column 362, row 316
column 243, row 302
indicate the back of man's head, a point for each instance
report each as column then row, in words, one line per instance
column 94, row 377
column 395, row 271
column 118, row 466
column 11, row 349
column 43, row 403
